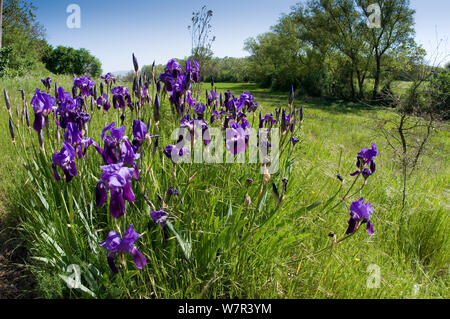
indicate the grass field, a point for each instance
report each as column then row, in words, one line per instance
column 282, row 258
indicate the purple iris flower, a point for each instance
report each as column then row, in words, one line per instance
column 85, row 85
column 247, row 100
column 108, row 78
column 42, row 104
column 47, row 82
column 175, row 153
column 215, row 115
column 114, row 244
column 200, row 110
column 115, row 178
column 268, row 118
column 69, row 111
column 62, row 96
column 65, row 160
column 366, row 157
column 139, row 134
column 193, row 69
column 159, row 217
column 359, row 214
column 121, row 97
column 74, row 136
column 173, row 68
column 212, row 97
column 103, row 101
column 190, row 99
column 236, row 138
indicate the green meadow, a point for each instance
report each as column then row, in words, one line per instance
column 218, row 247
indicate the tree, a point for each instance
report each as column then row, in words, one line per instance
column 67, row 60
column 23, row 44
column 201, row 37
column 395, row 33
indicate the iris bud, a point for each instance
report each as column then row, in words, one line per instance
column 135, row 64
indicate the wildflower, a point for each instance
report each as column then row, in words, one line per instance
column 115, row 178
column 157, row 110
column 108, row 78
column 291, row 95
column 42, row 104
column 235, row 139
column 200, row 110
column 139, row 134
column 135, row 64
column 103, row 101
column 121, row 97
column 85, row 85
column 114, row 244
column 159, row 217
column 65, row 160
column 193, row 69
column 8, row 103
column 366, row 157
column 11, row 131
column 359, row 214
column 171, row 192
column 47, row 82
column 175, row 153
column 75, row 138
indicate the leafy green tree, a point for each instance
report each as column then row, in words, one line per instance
column 67, row 60
column 22, row 37
column 396, row 32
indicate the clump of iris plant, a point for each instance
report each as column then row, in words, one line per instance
column 115, row 244
column 121, row 97
column 84, row 84
column 117, row 147
column 360, row 214
column 178, row 84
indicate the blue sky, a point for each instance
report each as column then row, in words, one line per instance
column 157, row 30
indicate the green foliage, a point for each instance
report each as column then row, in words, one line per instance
column 67, row 60
column 324, row 48
column 279, row 259
column 440, row 90
column 23, row 39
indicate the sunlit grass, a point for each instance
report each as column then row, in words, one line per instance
column 410, row 246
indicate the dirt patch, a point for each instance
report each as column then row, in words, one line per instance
column 15, row 278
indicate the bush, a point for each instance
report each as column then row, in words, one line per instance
column 66, row 60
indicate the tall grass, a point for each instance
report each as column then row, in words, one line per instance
column 217, row 247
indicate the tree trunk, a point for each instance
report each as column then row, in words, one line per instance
column 377, row 78
column 360, row 85
column 352, row 85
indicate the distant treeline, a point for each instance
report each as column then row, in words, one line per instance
column 225, row 69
